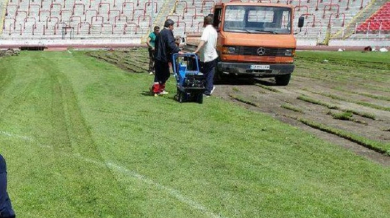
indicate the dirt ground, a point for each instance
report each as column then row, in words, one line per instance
column 266, row 97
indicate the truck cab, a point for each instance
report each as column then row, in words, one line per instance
column 255, row 40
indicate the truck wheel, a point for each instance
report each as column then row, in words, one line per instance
column 283, row 80
column 251, row 80
column 219, row 78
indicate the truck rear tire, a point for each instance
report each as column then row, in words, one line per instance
column 283, row 80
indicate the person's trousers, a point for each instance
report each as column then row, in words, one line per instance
column 6, row 210
column 208, row 70
column 151, row 60
column 161, row 76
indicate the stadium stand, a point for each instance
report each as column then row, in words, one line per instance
column 322, row 17
column 378, row 22
column 56, row 19
column 133, row 19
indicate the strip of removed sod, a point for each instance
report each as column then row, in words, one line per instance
column 372, row 144
column 243, row 100
column 82, row 139
column 314, row 101
column 379, row 107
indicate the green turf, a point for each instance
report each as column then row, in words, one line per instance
column 83, row 139
column 373, row 60
column 369, row 70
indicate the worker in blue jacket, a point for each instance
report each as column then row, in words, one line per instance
column 165, row 46
column 6, row 210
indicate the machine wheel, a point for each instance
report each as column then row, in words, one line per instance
column 181, row 96
column 199, row 98
column 283, row 80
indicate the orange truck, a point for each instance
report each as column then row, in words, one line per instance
column 254, row 40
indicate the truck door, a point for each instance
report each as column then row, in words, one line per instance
column 217, row 18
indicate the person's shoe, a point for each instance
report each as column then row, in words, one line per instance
column 164, row 93
column 212, row 90
column 206, row 95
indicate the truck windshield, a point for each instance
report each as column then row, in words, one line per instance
column 257, row 19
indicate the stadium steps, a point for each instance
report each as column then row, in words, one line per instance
column 3, row 6
column 321, row 11
column 363, row 15
column 167, row 9
column 160, row 18
column 190, row 15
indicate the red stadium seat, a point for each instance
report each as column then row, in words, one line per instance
column 378, row 20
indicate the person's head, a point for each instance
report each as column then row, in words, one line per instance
column 156, row 29
column 169, row 24
column 207, row 20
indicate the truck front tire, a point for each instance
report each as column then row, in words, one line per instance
column 283, row 80
column 219, row 78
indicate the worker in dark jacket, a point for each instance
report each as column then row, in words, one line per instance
column 164, row 48
column 6, row 210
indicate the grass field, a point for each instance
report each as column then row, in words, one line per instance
column 83, row 139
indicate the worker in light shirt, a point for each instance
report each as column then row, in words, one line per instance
column 208, row 54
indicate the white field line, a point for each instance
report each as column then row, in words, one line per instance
column 16, row 136
column 170, row 191
column 176, row 194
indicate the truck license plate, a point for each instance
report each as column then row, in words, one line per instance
column 259, row 67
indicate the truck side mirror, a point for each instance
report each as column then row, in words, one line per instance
column 301, row 21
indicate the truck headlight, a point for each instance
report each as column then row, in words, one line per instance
column 229, row 50
column 289, row 52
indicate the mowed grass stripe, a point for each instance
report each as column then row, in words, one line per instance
column 58, row 84
column 229, row 160
column 48, row 106
column 19, row 92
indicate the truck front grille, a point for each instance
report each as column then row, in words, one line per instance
column 261, row 51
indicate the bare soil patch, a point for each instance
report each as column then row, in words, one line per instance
column 282, row 102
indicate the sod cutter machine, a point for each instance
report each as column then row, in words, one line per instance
column 190, row 82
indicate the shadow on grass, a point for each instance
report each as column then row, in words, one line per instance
column 236, row 81
column 147, row 93
column 265, row 82
column 150, row 94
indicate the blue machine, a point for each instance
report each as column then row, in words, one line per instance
column 190, row 81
